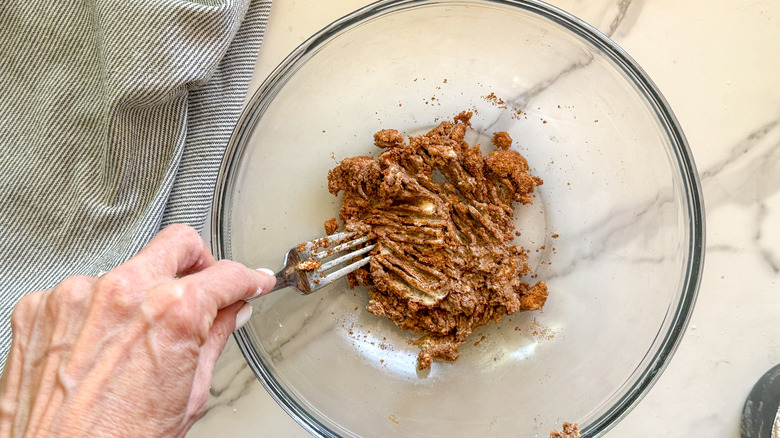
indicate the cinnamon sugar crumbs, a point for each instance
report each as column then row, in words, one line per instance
column 541, row 332
column 309, row 265
column 494, row 99
column 331, row 225
column 441, row 214
column 569, row 431
column 502, row 140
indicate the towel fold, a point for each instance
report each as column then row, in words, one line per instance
column 114, row 116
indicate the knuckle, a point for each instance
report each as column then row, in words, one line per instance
column 170, row 304
column 25, row 309
column 75, row 283
column 178, row 308
column 115, row 292
column 113, row 282
column 182, row 231
column 71, row 292
column 180, row 292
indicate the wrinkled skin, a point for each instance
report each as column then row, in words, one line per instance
column 130, row 353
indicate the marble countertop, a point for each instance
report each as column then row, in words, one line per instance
column 717, row 64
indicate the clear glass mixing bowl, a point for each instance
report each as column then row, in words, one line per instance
column 616, row 230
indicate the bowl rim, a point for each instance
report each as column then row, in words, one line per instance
column 680, row 314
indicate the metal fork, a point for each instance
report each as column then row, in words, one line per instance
column 311, row 266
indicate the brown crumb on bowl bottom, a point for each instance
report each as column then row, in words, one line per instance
column 502, row 140
column 569, row 431
column 441, row 214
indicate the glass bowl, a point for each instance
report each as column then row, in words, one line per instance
column 616, row 230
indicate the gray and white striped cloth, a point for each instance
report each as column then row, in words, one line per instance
column 114, row 115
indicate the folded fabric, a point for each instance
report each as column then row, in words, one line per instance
column 114, row 116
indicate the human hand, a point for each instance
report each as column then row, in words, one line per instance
column 130, row 353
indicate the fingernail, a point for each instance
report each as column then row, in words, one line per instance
column 267, row 271
column 243, row 315
column 269, row 285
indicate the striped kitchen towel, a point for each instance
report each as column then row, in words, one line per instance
column 114, row 115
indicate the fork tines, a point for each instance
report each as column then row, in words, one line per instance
column 329, row 259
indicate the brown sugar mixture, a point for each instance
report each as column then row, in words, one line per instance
column 441, row 214
column 569, row 431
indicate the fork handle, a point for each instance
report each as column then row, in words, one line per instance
column 289, row 277
column 283, row 280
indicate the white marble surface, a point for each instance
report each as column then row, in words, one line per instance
column 718, row 65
